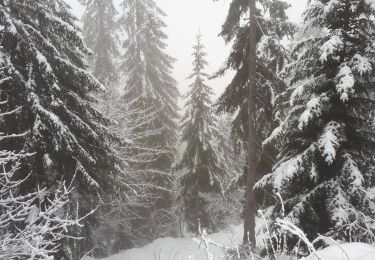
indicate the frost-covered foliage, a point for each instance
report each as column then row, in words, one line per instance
column 200, row 160
column 47, row 107
column 134, row 221
column 32, row 225
column 99, row 29
column 326, row 136
column 225, row 210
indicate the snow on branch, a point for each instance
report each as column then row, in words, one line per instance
column 293, row 229
column 331, row 46
column 361, row 65
column 330, row 141
column 313, row 109
column 286, row 170
column 31, row 225
column 345, row 82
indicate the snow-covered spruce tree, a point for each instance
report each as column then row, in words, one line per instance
column 272, row 27
column 325, row 171
column 48, row 87
column 147, row 70
column 123, row 223
column 147, row 82
column 199, row 162
column 256, row 72
column 99, row 30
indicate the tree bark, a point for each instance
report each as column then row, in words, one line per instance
column 250, row 202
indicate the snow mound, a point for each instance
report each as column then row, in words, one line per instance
column 182, row 248
column 348, row 251
column 190, row 249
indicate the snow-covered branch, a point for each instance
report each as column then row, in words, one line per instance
column 32, row 225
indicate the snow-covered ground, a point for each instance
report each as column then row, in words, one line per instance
column 190, row 249
column 348, row 251
column 181, row 248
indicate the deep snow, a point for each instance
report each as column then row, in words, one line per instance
column 181, row 248
column 348, row 251
column 190, row 249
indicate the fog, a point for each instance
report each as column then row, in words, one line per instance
column 184, row 19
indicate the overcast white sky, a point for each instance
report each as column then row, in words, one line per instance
column 184, row 18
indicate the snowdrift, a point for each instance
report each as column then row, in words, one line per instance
column 348, row 251
column 190, row 249
column 181, row 248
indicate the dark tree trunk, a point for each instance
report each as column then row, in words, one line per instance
column 250, row 203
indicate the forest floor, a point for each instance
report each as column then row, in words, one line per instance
column 348, row 251
column 194, row 249
column 182, row 248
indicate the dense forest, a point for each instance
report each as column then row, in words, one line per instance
column 98, row 156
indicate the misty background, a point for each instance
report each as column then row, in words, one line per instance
column 184, row 19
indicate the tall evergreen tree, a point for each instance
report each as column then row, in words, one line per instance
column 200, row 159
column 271, row 27
column 49, row 88
column 99, row 30
column 147, row 83
column 100, row 35
column 326, row 168
column 147, row 69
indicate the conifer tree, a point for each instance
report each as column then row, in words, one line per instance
column 100, row 35
column 325, row 171
column 99, row 26
column 271, row 27
column 147, row 69
column 48, row 109
column 147, row 83
column 200, row 159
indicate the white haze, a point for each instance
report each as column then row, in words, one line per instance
column 184, row 19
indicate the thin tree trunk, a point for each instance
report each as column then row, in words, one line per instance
column 250, row 203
